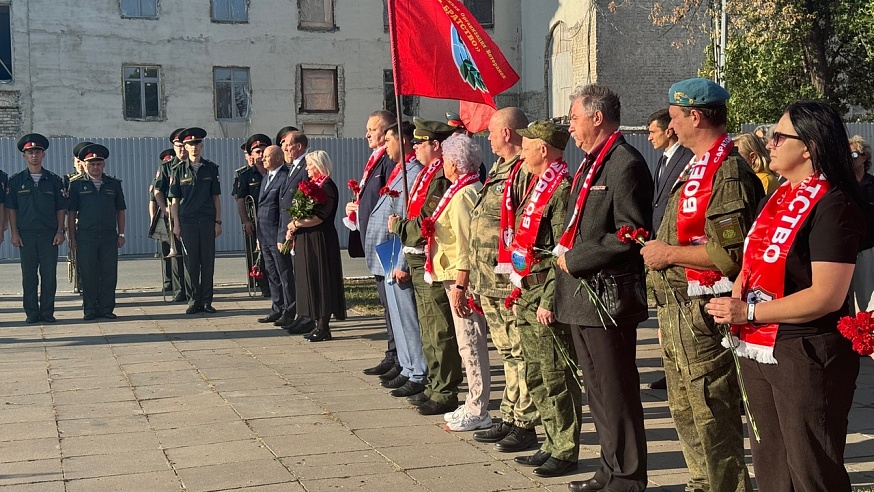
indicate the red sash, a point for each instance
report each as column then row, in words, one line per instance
column 429, row 224
column 764, row 263
column 419, row 191
column 570, row 233
column 508, row 222
column 692, row 215
column 523, row 256
column 320, row 180
column 351, row 221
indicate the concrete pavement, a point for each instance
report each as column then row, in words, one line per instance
column 160, row 401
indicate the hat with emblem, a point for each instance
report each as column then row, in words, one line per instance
column 79, row 146
column 93, row 152
column 167, row 155
column 257, row 140
column 33, row 141
column 454, row 120
column 554, row 135
column 174, row 137
column 698, row 92
column 282, row 133
column 192, row 135
column 431, row 130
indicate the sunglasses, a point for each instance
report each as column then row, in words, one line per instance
column 778, row 138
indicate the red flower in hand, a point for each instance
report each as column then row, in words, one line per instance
column 353, row 185
column 384, row 191
column 474, row 306
column 709, row 278
column 256, row 273
column 512, row 298
column 624, row 234
column 860, row 331
column 640, row 235
column 428, row 228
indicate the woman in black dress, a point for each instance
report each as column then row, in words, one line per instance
column 318, row 272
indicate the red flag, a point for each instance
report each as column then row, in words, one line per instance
column 475, row 116
column 440, row 50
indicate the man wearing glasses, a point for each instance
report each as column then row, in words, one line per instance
column 709, row 212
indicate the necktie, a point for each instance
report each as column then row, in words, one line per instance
column 663, row 161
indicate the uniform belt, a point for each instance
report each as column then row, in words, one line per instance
column 663, row 298
column 534, row 279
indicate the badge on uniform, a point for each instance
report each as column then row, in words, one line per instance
column 728, row 231
column 519, row 260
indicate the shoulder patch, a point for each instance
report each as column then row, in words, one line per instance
column 728, row 231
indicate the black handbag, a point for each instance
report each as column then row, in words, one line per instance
column 623, row 294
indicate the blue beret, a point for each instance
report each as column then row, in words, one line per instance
column 697, row 93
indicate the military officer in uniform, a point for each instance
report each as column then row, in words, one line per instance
column 160, row 187
column 435, row 316
column 97, row 220
column 518, row 413
column 37, row 208
column 197, row 218
column 79, row 171
column 248, row 183
column 708, row 214
column 78, row 164
column 4, row 190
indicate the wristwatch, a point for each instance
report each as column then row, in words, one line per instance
column 751, row 312
column 121, row 235
column 460, row 287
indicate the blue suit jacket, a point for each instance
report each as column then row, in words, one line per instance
column 377, row 229
column 370, row 192
column 286, row 195
column 269, row 212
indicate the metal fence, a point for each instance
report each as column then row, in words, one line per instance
column 135, row 161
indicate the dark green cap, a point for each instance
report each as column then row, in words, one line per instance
column 93, row 152
column 554, row 135
column 698, row 92
column 192, row 135
column 32, row 141
column 79, row 146
column 431, row 130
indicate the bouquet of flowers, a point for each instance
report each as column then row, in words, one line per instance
column 860, row 331
column 308, row 198
column 627, row 235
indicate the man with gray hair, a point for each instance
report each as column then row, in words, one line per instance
column 612, row 188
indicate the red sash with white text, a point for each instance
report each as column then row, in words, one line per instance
column 508, row 222
column 419, row 191
column 430, row 223
column 764, row 265
column 694, row 199
column 351, row 221
column 570, row 233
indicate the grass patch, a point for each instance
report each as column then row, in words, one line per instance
column 361, row 296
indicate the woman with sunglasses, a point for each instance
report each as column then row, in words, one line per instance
column 799, row 372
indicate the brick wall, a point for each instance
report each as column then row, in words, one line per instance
column 10, row 114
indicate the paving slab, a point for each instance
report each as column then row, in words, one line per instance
column 152, row 481
column 218, row 453
column 105, row 465
column 235, row 475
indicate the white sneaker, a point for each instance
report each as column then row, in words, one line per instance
column 470, row 422
column 454, row 415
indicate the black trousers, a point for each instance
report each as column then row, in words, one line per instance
column 607, row 359
column 280, row 274
column 262, row 284
column 174, row 270
column 97, row 257
column 198, row 239
column 38, row 254
column 801, row 406
column 391, row 352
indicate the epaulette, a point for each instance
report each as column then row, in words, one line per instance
column 240, row 171
column 77, row 176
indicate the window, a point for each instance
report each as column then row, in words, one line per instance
column 230, row 10
column 142, row 93
column 5, row 45
column 318, row 87
column 482, row 10
column 410, row 103
column 232, row 94
column 139, row 8
column 316, row 14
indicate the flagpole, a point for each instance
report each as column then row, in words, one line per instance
column 396, row 75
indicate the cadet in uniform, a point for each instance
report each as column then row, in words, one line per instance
column 165, row 157
column 248, row 183
column 37, row 208
column 518, row 413
column 709, row 212
column 97, row 219
column 161, row 186
column 435, row 314
column 78, row 164
column 79, row 171
column 197, row 218
column 4, row 190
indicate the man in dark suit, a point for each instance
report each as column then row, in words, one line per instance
column 276, row 265
column 612, row 188
column 294, row 148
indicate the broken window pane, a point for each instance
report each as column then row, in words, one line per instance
column 319, row 90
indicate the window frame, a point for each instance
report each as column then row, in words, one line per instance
column 388, row 82
column 487, row 26
column 215, row 20
column 140, row 15
column 233, row 84
column 336, row 71
column 329, row 24
column 142, row 81
column 10, row 68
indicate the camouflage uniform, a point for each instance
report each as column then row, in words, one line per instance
column 703, row 393
column 548, row 350
column 435, row 314
column 516, row 405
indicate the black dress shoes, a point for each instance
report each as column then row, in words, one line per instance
column 555, row 467
column 298, row 328
column 518, row 439
column 89, row 317
column 494, row 434
column 431, row 407
column 207, row 308
column 417, row 399
column 383, row 367
column 49, row 318
column 409, row 388
column 109, row 316
column 32, row 319
column 396, row 382
column 320, row 335
column 270, row 318
column 536, row 459
column 392, row 373
column 192, row 309
column 586, row 485
column 285, row 319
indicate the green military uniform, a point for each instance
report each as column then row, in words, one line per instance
column 36, row 207
column 516, row 406
column 548, row 350
column 169, row 285
column 703, row 393
column 249, row 185
column 97, row 204
column 4, row 191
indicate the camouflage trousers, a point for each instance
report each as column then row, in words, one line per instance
column 552, row 384
column 516, row 405
column 704, row 398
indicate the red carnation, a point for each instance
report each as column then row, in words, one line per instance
column 640, row 235
column 860, row 331
column 353, row 185
column 709, row 278
column 255, row 273
column 474, row 306
column 428, row 228
column 624, row 234
column 512, row 298
column 385, row 190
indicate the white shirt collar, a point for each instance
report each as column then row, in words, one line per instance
column 671, row 151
